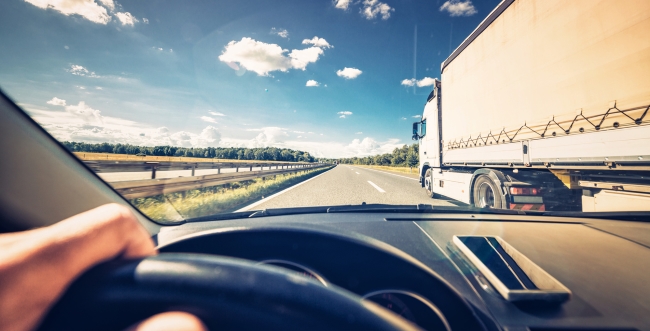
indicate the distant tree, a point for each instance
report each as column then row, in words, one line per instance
column 412, row 160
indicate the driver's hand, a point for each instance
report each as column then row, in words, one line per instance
column 37, row 266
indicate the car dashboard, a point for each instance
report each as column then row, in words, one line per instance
column 409, row 264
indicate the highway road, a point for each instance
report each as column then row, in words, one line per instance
column 350, row 185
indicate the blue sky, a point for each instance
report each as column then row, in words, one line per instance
column 335, row 78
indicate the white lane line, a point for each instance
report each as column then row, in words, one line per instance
column 388, row 173
column 275, row 195
column 377, row 187
column 357, row 173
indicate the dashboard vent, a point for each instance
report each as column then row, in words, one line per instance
column 511, row 273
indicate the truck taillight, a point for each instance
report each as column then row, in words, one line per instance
column 524, row 191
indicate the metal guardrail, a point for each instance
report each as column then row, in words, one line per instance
column 154, row 166
column 149, row 187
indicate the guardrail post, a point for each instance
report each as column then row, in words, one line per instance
column 251, row 168
column 153, row 172
column 237, row 169
column 193, row 168
column 218, row 170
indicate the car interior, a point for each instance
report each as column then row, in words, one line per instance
column 339, row 267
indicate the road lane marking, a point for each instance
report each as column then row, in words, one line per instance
column 377, row 187
column 388, row 173
column 357, row 173
column 275, row 195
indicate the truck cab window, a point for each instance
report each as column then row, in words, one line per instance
column 423, row 128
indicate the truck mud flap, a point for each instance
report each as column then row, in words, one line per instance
column 528, row 206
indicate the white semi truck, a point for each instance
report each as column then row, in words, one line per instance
column 545, row 106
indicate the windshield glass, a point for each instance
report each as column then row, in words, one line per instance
column 191, row 109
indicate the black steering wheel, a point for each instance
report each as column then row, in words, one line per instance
column 226, row 293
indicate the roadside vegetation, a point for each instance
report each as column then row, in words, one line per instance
column 175, row 207
column 229, row 153
column 86, row 156
column 401, row 170
column 407, row 156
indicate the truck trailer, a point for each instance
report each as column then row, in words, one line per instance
column 544, row 106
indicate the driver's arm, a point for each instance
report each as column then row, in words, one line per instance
column 37, row 266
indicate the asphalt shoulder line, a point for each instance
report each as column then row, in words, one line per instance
column 388, row 173
column 377, row 187
column 254, row 204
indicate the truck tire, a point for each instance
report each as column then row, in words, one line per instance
column 428, row 183
column 486, row 193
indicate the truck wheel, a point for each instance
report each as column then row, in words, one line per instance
column 428, row 184
column 486, row 193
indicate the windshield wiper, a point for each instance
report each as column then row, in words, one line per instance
column 363, row 208
column 417, row 209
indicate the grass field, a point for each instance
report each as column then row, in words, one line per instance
column 401, row 170
column 175, row 207
column 126, row 157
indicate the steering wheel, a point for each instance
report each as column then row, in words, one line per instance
column 226, row 293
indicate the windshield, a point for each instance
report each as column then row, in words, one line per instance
column 192, row 109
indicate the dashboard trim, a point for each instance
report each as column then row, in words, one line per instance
column 318, row 276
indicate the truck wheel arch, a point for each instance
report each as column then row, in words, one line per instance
column 496, row 176
column 425, row 167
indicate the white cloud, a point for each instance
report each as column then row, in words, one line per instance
column 280, row 32
column 99, row 88
column 344, row 114
column 318, row 42
column 263, row 58
column 208, row 119
column 279, row 137
column 256, row 56
column 269, row 136
column 403, row 118
column 300, row 58
column 215, row 113
column 87, row 9
column 369, row 146
column 85, row 113
column 78, row 70
column 108, row 4
column 359, row 132
column 409, row 82
column 373, row 8
column 342, row 4
column 56, row 101
column 458, row 8
column 349, row 73
column 145, row 20
column 416, row 116
column 82, row 123
column 426, row 81
column 126, row 18
column 312, row 82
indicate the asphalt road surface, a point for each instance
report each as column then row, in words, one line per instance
column 350, row 185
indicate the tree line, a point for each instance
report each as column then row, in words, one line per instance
column 231, row 153
column 407, row 156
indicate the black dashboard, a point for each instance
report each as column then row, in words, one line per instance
column 408, row 264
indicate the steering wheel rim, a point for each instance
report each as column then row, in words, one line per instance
column 225, row 293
